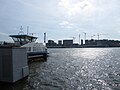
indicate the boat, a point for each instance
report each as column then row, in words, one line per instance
column 34, row 49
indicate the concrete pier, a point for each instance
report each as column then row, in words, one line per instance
column 13, row 64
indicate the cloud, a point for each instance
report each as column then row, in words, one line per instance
column 61, row 16
column 66, row 24
column 72, row 7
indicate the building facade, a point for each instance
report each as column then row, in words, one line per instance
column 67, row 43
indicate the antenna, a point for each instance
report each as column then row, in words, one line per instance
column 27, row 30
column 21, row 32
column 21, row 28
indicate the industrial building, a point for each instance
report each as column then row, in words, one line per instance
column 102, row 43
column 59, row 42
column 88, row 43
column 68, row 43
column 51, row 43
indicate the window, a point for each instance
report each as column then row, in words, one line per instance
column 29, row 49
column 34, row 49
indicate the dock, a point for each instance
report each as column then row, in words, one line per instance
column 13, row 64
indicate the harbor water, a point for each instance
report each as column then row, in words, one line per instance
column 74, row 69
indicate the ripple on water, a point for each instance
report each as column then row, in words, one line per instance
column 77, row 69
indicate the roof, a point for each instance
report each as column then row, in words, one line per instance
column 19, row 36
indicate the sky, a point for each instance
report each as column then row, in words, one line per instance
column 61, row 19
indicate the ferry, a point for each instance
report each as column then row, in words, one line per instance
column 33, row 48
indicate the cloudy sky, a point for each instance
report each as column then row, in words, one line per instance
column 61, row 19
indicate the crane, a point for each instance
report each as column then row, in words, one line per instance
column 85, row 35
column 73, row 38
column 92, row 36
column 100, row 34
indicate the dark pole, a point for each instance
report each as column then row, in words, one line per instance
column 79, row 38
column 45, row 38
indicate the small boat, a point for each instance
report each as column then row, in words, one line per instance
column 33, row 49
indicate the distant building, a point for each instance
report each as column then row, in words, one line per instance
column 59, row 42
column 67, row 43
column 51, row 43
column 102, row 43
column 81, row 41
column 76, row 45
column 90, row 42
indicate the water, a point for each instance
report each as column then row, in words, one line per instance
column 74, row 69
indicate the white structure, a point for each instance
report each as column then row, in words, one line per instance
column 13, row 64
column 33, row 49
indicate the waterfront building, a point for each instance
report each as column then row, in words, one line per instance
column 59, row 42
column 102, row 43
column 67, row 43
column 76, row 45
column 88, row 43
column 51, row 43
column 81, row 41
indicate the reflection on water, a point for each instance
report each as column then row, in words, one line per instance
column 75, row 69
